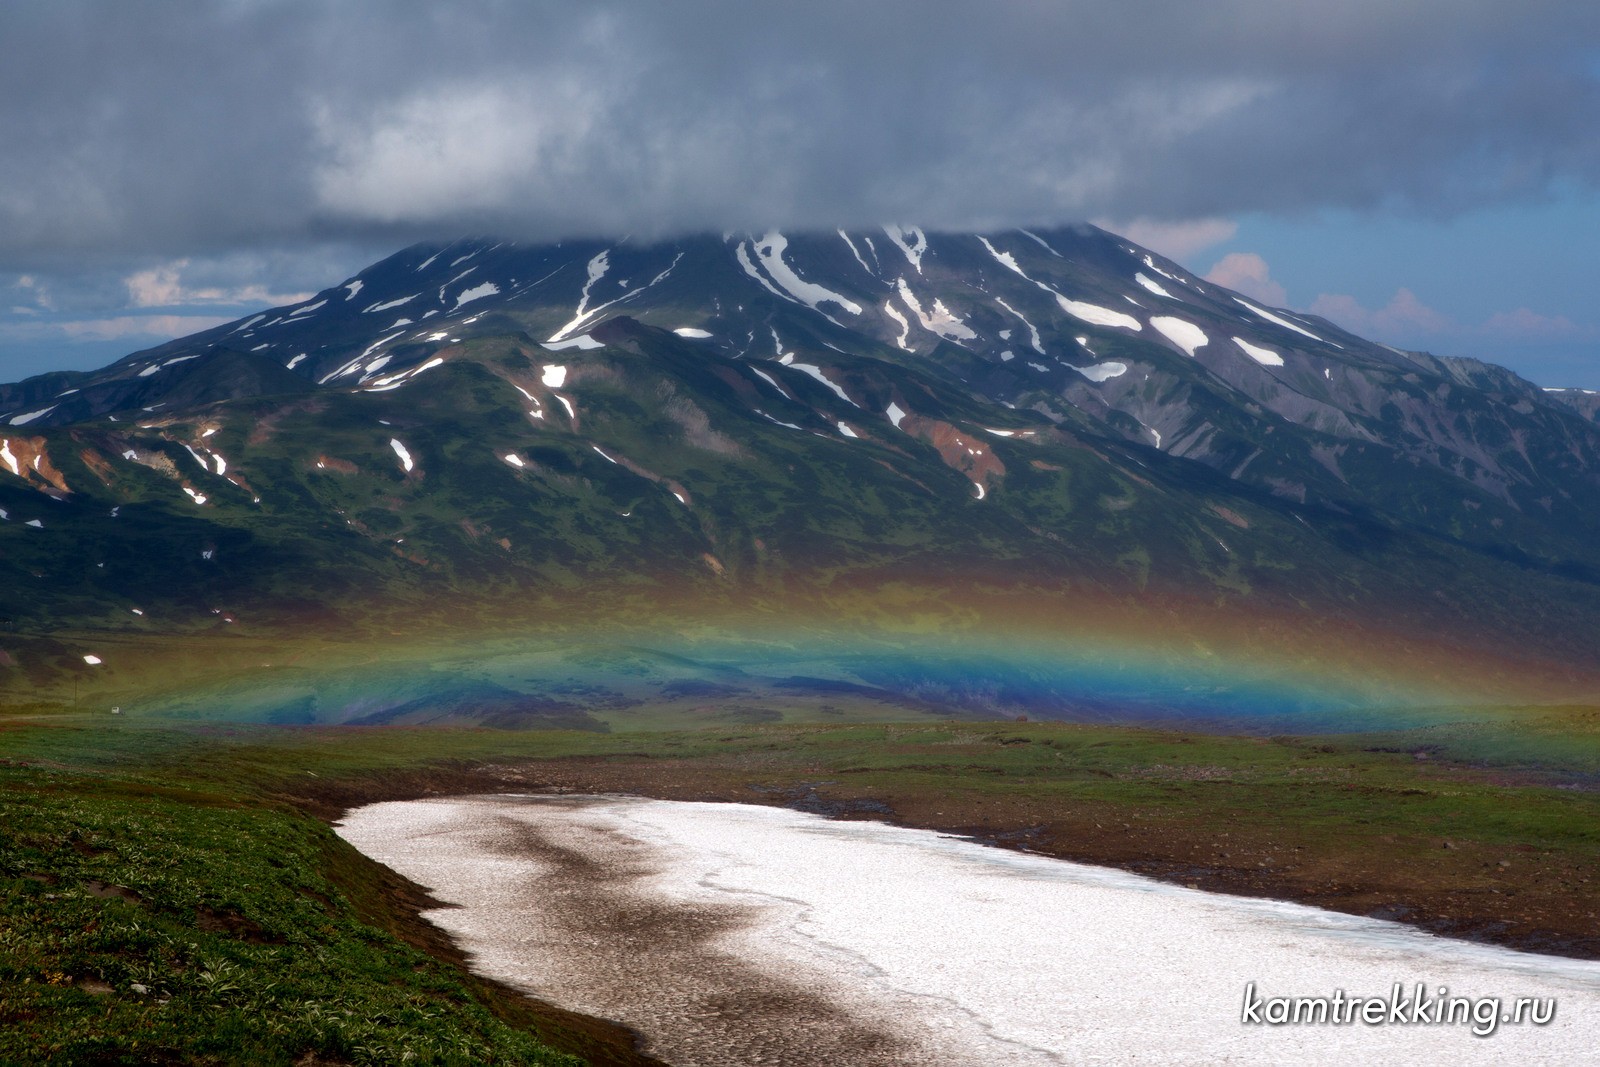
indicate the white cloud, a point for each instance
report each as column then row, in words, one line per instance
column 1248, row 273
column 1403, row 316
column 163, row 287
column 1524, row 324
column 115, row 328
column 1177, row 240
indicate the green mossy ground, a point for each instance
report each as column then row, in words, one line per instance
column 174, row 893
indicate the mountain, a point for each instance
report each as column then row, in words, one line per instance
column 790, row 423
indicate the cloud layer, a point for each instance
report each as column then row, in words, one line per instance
column 186, row 127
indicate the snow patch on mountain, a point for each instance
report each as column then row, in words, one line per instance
column 1153, row 286
column 1101, row 372
column 395, row 381
column 1033, row 332
column 401, row 451
column 856, row 253
column 1279, row 320
column 387, row 304
column 895, row 413
column 23, row 420
column 905, row 325
column 816, row 372
column 1042, row 243
column 940, row 320
column 597, row 269
column 1005, row 259
column 477, row 292
column 1264, row 356
column 770, row 251
column 692, row 333
column 583, row 343
column 914, row 248
column 1181, row 332
column 1096, row 315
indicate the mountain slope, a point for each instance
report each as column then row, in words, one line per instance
column 788, row 424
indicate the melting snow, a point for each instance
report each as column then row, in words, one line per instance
column 198, row 498
column 915, row 248
column 308, row 309
column 35, row 523
column 400, row 450
column 691, row 332
column 1032, row 333
column 603, row 456
column 770, row 251
column 291, row 364
column 513, row 459
column 769, row 418
column 816, row 372
column 387, row 304
column 572, row 413
column 1264, row 356
column 772, row 382
column 749, row 268
column 136, row 611
column 1181, row 332
column 354, row 287
column 1005, row 334
column 8, row 459
column 93, row 661
column 1007, row 356
column 1040, row 240
column 905, row 325
column 1170, row 277
column 855, row 253
column 940, row 320
column 555, row 375
column 895, row 413
column 1153, row 286
column 477, row 292
column 1285, row 323
column 597, row 270
column 1005, row 259
column 395, row 381
column 979, row 487
column 1096, row 315
column 847, row 431
column 19, row 420
column 583, row 343
column 1102, row 371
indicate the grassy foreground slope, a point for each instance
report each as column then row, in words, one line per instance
column 175, row 893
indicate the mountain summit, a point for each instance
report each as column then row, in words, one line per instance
column 757, row 416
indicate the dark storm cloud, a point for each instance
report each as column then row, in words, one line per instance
column 173, row 128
